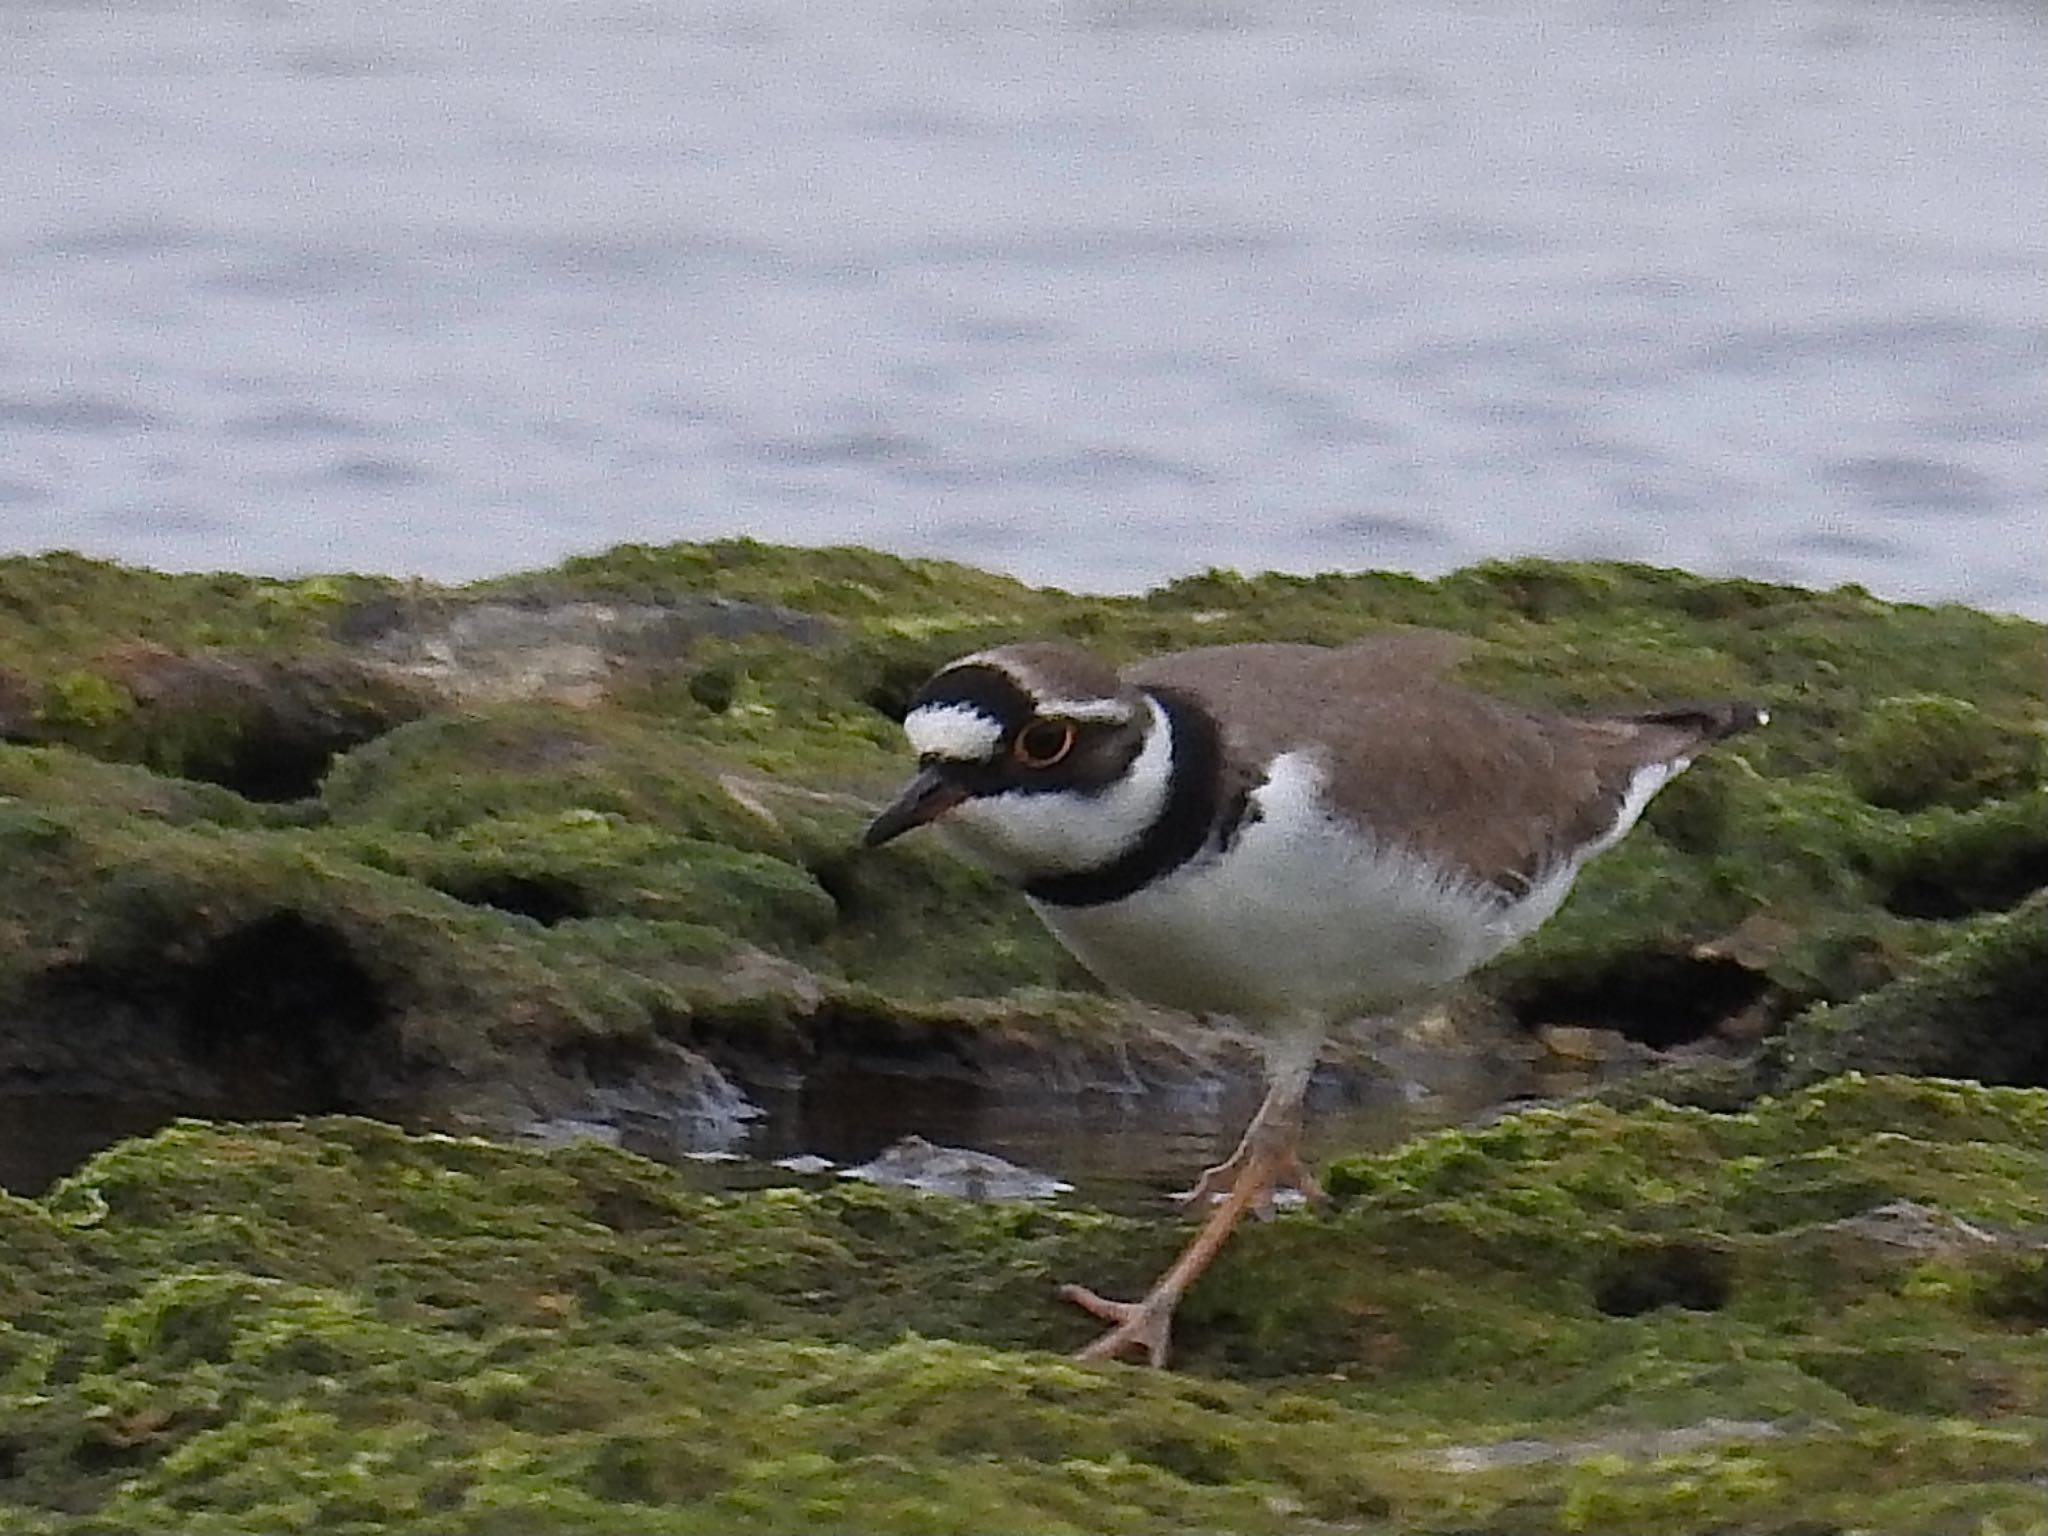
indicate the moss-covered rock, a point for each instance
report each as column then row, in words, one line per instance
column 1823, row 1314
column 574, row 825
column 549, row 846
column 1980, row 1010
column 1930, row 749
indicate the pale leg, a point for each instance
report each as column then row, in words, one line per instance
column 1268, row 1127
column 1269, row 1154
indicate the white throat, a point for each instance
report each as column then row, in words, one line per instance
column 1025, row 836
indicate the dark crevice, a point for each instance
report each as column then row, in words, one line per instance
column 274, row 767
column 272, row 1017
column 1658, row 998
column 271, row 746
column 852, row 1114
column 889, row 701
column 837, row 879
column 99, row 1454
column 1684, row 1275
column 715, row 688
column 546, row 899
column 894, row 680
column 268, row 730
column 278, row 1009
column 1997, row 882
column 2016, row 1292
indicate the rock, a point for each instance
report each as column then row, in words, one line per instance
column 265, row 727
column 1571, row 1320
column 543, row 646
column 1921, row 1229
column 1626, row 1445
column 1980, row 1010
column 914, row 1163
column 554, row 846
column 1931, row 749
column 570, row 855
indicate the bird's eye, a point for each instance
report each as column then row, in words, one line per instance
column 1043, row 743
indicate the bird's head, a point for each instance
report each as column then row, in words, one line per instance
column 1040, row 759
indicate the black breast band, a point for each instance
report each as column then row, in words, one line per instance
column 1194, row 792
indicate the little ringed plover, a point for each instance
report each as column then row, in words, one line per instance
column 1290, row 834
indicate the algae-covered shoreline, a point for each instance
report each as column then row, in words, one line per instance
column 1822, row 1315
column 573, row 848
column 569, row 844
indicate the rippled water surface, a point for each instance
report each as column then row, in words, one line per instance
column 1122, row 1154
column 1098, row 292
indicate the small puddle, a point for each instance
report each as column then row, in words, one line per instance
column 1120, row 1153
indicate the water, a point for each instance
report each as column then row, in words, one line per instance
column 1119, row 1154
column 1098, row 292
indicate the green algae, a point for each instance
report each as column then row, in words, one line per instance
column 1822, row 1312
column 1929, row 749
column 1980, row 1008
column 41, row 780
column 68, row 606
column 656, row 842
column 83, row 702
column 1571, row 1320
column 715, row 783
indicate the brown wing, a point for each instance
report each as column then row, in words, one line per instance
column 1489, row 787
column 1241, row 678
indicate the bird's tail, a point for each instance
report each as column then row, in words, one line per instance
column 1706, row 720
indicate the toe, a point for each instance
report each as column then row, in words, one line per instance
column 1298, row 1175
column 1214, row 1184
column 1138, row 1325
column 1098, row 1305
column 1148, row 1332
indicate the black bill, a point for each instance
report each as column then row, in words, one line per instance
column 925, row 798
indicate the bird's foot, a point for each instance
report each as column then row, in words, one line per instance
column 1146, row 1325
column 1288, row 1172
column 1265, row 1157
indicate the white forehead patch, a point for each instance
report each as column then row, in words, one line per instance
column 1114, row 711
column 958, row 732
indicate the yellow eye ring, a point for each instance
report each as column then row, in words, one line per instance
column 1044, row 743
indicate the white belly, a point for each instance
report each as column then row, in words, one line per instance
column 1302, row 916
